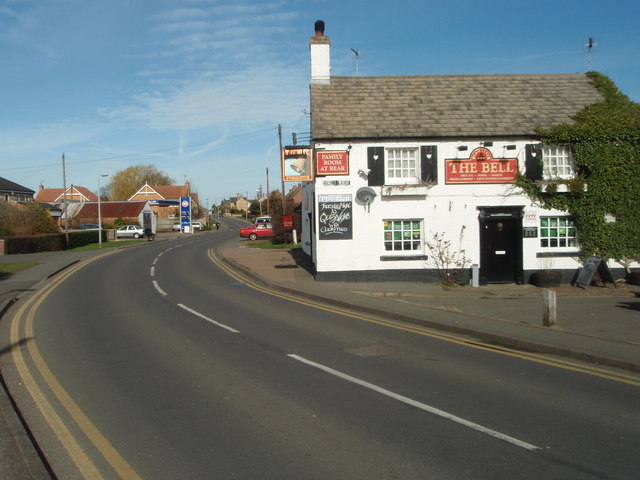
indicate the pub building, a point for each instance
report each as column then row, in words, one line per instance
column 400, row 162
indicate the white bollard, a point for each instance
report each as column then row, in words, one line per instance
column 549, row 307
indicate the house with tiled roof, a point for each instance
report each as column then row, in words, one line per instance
column 409, row 168
column 74, row 194
column 12, row 192
column 165, row 201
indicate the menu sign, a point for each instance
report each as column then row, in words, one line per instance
column 481, row 167
column 335, row 217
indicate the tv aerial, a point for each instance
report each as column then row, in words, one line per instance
column 590, row 44
column 357, row 54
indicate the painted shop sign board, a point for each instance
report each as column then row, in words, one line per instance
column 335, row 217
column 481, row 167
column 287, row 222
column 332, row 163
column 296, row 164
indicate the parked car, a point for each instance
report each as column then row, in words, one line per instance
column 90, row 226
column 130, row 231
column 257, row 230
column 194, row 225
column 265, row 219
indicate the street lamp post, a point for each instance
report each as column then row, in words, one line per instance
column 100, row 212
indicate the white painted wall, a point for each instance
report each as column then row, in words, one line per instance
column 444, row 208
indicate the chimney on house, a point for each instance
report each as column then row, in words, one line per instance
column 320, row 56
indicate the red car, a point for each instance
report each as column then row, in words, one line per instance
column 257, row 230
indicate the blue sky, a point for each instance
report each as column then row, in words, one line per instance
column 198, row 87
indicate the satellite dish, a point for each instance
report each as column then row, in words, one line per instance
column 365, row 195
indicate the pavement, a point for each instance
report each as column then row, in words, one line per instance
column 599, row 324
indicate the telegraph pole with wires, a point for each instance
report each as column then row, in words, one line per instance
column 64, row 199
column 590, row 44
column 281, row 165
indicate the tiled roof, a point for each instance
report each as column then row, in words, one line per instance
column 159, row 192
column 447, row 105
column 12, row 187
column 56, row 194
column 111, row 209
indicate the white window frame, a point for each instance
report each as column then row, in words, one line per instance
column 403, row 236
column 557, row 162
column 555, row 232
column 402, row 166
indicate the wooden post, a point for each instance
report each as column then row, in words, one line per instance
column 549, row 307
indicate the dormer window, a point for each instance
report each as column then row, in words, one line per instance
column 557, row 162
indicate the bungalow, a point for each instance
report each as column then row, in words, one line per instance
column 12, row 192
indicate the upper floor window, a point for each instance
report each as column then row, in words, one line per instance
column 402, row 166
column 557, row 162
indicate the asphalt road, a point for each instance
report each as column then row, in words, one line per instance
column 153, row 363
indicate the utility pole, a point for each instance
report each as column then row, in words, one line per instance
column 64, row 199
column 281, row 165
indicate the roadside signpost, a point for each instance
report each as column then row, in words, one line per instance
column 185, row 214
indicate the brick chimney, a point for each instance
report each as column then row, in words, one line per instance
column 320, row 47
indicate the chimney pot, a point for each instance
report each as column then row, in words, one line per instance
column 319, row 26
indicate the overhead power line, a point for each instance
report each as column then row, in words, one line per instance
column 140, row 154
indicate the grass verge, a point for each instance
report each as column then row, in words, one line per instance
column 13, row 267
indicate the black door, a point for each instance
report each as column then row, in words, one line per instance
column 501, row 245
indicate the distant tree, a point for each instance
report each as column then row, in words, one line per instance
column 125, row 183
column 275, row 211
column 254, row 208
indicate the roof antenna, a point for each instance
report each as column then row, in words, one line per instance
column 357, row 54
column 590, row 44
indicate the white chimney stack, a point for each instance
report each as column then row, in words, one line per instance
column 320, row 56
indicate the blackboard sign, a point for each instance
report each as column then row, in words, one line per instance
column 335, row 217
column 591, row 266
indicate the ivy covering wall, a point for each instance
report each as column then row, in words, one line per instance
column 604, row 198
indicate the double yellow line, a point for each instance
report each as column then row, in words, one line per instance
column 614, row 375
column 25, row 348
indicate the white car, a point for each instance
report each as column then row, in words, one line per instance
column 197, row 225
column 130, row 231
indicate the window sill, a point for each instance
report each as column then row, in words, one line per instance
column 560, row 186
column 395, row 258
column 405, row 190
column 560, row 253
